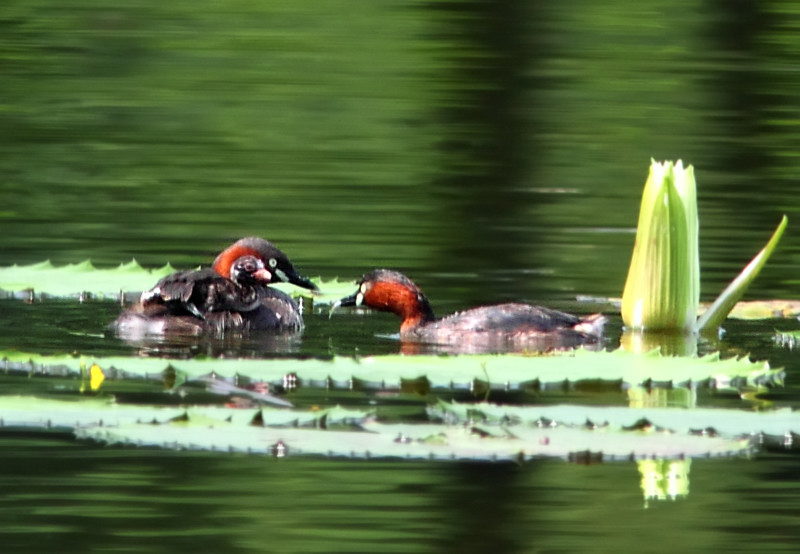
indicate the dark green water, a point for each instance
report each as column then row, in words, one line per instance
column 492, row 151
column 143, row 501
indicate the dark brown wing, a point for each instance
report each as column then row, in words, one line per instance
column 510, row 327
column 183, row 292
column 277, row 311
column 201, row 292
column 510, row 318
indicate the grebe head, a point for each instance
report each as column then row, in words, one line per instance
column 275, row 262
column 249, row 270
column 391, row 291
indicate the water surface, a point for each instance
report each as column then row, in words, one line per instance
column 491, row 152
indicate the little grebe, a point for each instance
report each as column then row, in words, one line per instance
column 231, row 295
column 501, row 327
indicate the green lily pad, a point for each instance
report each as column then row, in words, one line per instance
column 329, row 290
column 296, row 432
column 74, row 280
column 744, row 309
column 731, row 423
column 421, row 442
column 48, row 413
column 765, row 309
column 127, row 280
column 508, row 371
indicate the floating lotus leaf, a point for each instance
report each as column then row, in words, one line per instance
column 282, row 432
column 329, row 290
column 765, row 309
column 506, row 371
column 421, row 441
column 81, row 279
column 732, row 423
column 129, row 280
column 745, row 309
column 47, row 413
column 76, row 280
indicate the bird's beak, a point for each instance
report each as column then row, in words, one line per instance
column 263, row 276
column 347, row 301
column 296, row 279
column 352, row 300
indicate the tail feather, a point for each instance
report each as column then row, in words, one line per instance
column 592, row 325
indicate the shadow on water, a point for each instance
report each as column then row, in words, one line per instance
column 489, row 147
column 483, row 503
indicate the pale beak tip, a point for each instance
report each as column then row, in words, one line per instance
column 335, row 305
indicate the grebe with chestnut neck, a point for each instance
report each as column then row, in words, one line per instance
column 232, row 295
column 497, row 328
